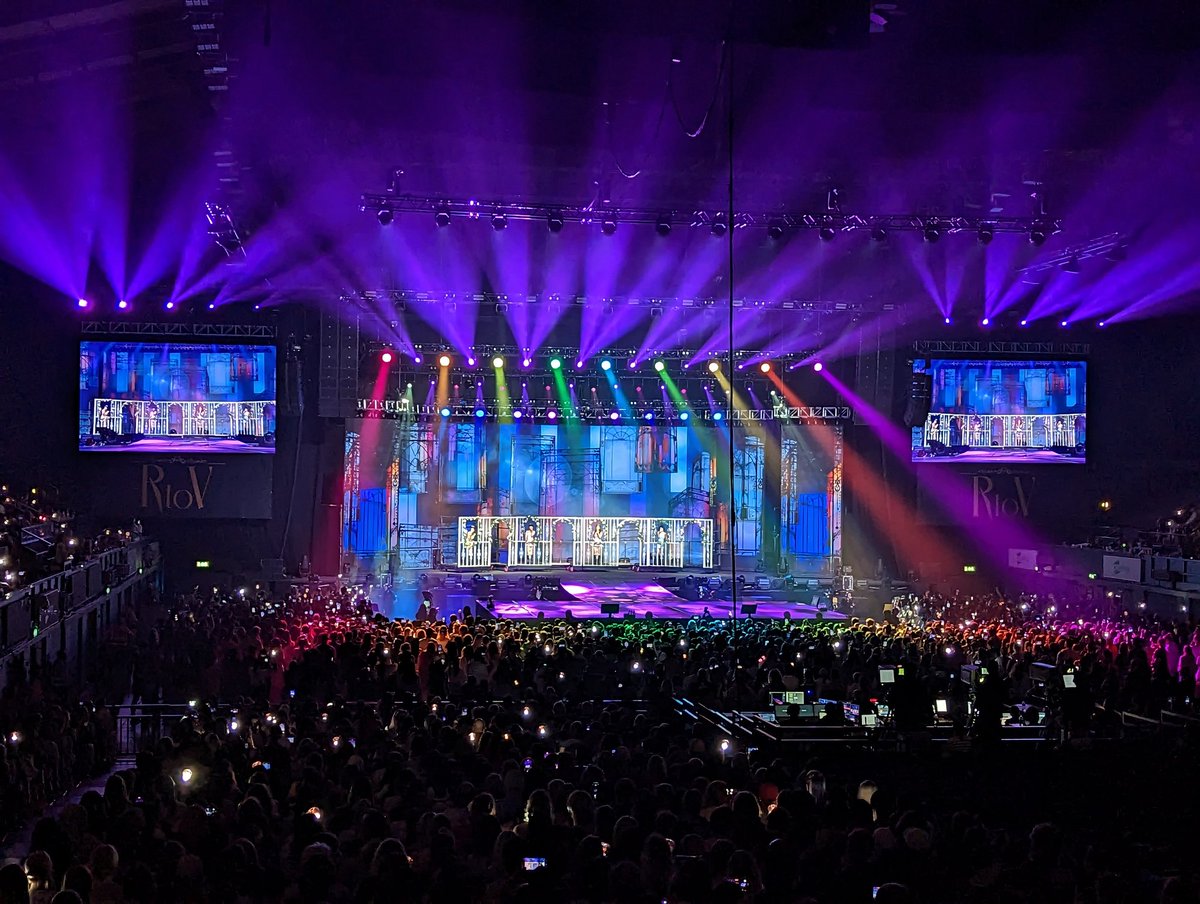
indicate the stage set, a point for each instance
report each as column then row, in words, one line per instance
column 556, row 505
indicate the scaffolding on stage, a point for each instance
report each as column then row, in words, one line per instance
column 1010, row 431
column 175, row 418
column 540, row 542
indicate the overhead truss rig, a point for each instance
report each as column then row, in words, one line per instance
column 402, row 297
column 428, row 353
column 180, row 328
column 544, row 412
column 829, row 221
column 988, row 347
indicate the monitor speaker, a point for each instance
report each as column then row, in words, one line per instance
column 749, row 608
column 610, row 608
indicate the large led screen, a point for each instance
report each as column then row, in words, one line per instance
column 176, row 398
column 999, row 412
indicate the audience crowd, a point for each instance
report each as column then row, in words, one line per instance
column 330, row 754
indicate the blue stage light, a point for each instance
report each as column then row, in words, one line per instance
column 445, row 412
column 683, row 415
column 718, row 416
column 479, row 412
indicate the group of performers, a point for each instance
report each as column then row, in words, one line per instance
column 528, row 552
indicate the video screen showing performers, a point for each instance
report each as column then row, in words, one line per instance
column 172, row 398
column 999, row 412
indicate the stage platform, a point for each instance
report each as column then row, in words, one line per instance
column 580, row 594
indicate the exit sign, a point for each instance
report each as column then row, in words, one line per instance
column 968, row 569
column 202, row 563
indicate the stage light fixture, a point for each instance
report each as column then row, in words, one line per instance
column 986, row 234
column 717, row 416
column 775, row 230
column 527, row 362
column 170, row 306
column 554, row 222
column 660, row 366
column 663, row 225
column 945, row 320
column 649, row 415
column 1024, row 323
column 931, row 233
column 497, row 362
column 718, row 227
column 879, row 234
column 1064, row 323
column 608, row 225
column 633, row 363
column 479, row 412
column 683, row 415
column 82, row 303
column 986, row 321
column 818, row 367
column 555, row 363
column 579, row 365
column 606, row 364
column 765, row 367
column 385, row 217
column 471, row 361
column 615, row 416
column 499, row 221
column 417, row 359
column 714, row 366
column 518, row 414
column 827, row 233
column 212, row 305
column 1037, row 236
column 122, row 305
column 444, row 361
column 1071, row 265
column 551, row 415
column 442, row 217
column 386, row 357
column 1101, row 323
column 445, row 412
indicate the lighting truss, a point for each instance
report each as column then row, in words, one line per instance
column 977, row 347
column 1103, row 246
column 180, row 328
column 223, row 229
column 585, row 411
column 825, row 218
column 402, row 297
column 429, row 352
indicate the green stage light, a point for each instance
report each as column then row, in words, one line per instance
column 555, row 363
column 497, row 362
column 659, row 366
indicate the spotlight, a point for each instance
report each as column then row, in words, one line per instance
column 170, row 306
column 717, row 416
column 555, row 363
column 499, row 221
column 986, row 234
column 633, row 363
column 122, row 305
column 444, row 361
column 82, row 303
column 659, row 366
column 579, row 365
column 1024, row 322
column 986, row 321
column 1037, row 236
column 818, row 367
column 518, row 414
column 445, row 412
column 442, row 217
column 775, row 229
column 615, row 416
column 471, row 361
column 1064, row 323
column 609, row 224
column 879, row 234
column 497, row 362
column 606, row 364
column 1101, row 323
column 714, row 366
column 554, row 222
column 663, row 225
column 649, row 415
column 385, row 217
column 417, row 359
column 765, row 367
column 945, row 320
column 683, row 415
column 932, row 233
column 551, row 415
column 718, row 227
column 212, row 305
column 479, row 412
column 527, row 362
column 386, row 357
column 827, row 233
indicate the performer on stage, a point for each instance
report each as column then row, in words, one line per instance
column 598, row 543
column 530, row 542
column 660, row 544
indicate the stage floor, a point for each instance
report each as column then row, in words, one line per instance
column 582, row 597
column 191, row 445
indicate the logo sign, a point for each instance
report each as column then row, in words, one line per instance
column 1123, row 568
column 991, row 499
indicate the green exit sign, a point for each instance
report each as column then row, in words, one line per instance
column 202, row 563
column 968, row 569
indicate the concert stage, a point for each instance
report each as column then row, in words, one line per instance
column 180, row 445
column 641, row 594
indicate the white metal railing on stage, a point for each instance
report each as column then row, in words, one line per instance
column 537, row 542
column 1005, row 430
column 175, row 418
